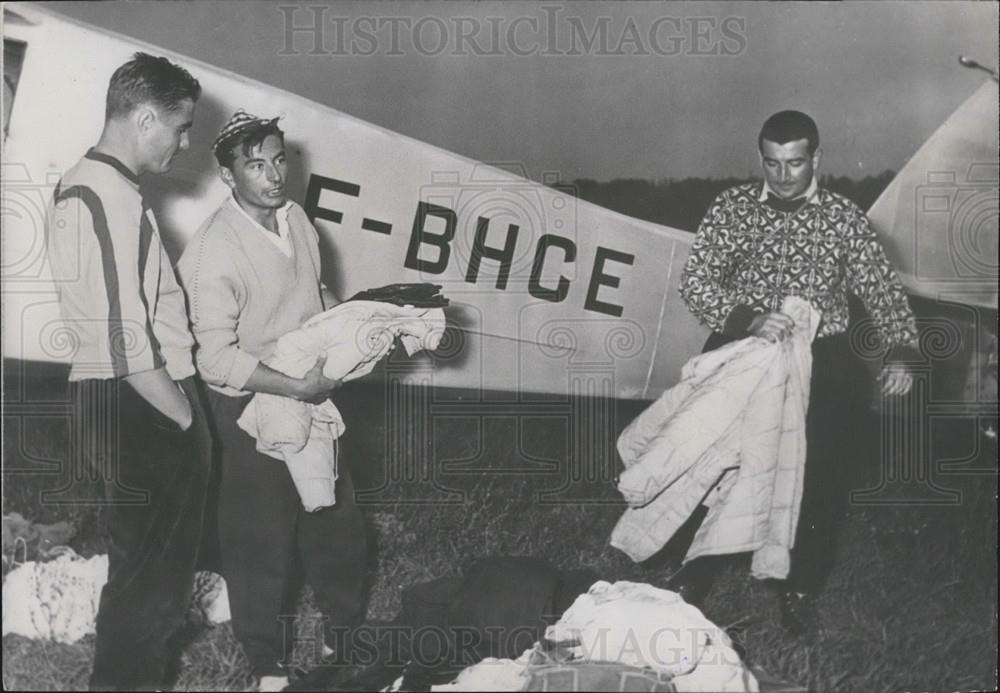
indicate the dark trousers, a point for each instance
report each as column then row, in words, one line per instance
column 264, row 529
column 835, row 397
column 155, row 480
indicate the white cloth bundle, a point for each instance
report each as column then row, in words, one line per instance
column 628, row 623
column 643, row 626
column 353, row 336
column 58, row 599
column 731, row 435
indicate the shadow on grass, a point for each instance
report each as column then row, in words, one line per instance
column 911, row 604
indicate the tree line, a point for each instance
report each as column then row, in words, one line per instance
column 681, row 203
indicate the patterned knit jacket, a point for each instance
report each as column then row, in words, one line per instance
column 748, row 257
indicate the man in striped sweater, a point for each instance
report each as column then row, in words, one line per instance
column 136, row 416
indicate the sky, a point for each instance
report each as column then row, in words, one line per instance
column 601, row 90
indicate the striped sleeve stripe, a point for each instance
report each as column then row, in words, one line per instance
column 145, row 239
column 116, row 333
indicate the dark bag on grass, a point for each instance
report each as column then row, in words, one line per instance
column 499, row 608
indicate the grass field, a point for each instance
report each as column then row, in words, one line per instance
column 911, row 605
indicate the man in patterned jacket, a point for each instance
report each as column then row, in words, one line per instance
column 783, row 236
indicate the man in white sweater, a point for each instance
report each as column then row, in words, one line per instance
column 252, row 273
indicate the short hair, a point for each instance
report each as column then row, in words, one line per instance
column 149, row 79
column 246, row 138
column 789, row 126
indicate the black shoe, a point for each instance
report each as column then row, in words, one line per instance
column 347, row 669
column 798, row 613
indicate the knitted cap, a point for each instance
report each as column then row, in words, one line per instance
column 240, row 121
